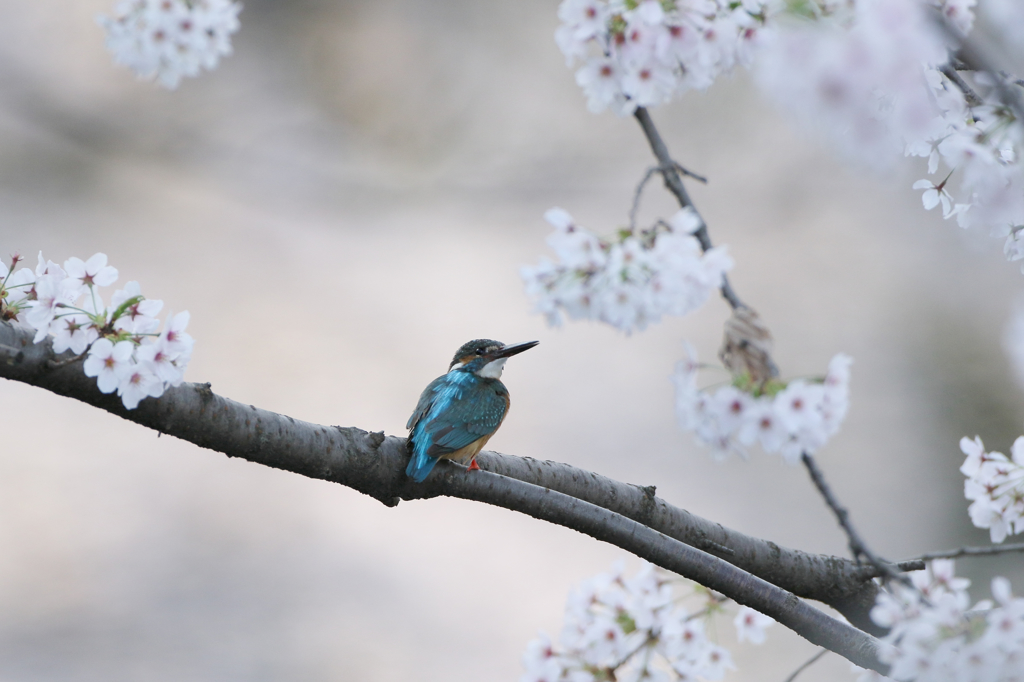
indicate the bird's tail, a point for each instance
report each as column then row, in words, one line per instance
column 419, row 466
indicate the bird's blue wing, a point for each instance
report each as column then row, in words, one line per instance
column 426, row 401
column 478, row 412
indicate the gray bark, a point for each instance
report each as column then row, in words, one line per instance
column 753, row 572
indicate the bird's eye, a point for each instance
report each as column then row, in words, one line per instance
column 482, row 350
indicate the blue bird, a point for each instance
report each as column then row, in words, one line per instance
column 460, row 411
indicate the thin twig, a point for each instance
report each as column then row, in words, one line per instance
column 643, row 183
column 971, row 551
column 972, row 59
column 689, row 173
column 674, row 183
column 639, row 192
column 969, row 94
column 870, row 571
column 1010, row 78
column 807, row 664
column 54, row 364
column 631, row 654
column 857, row 546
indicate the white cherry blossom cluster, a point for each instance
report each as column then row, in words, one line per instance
column 643, row 53
column 628, row 282
column 124, row 346
column 935, row 636
column 634, row 628
column 788, row 418
column 995, row 486
column 875, row 77
column 169, row 39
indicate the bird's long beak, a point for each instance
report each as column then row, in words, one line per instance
column 513, row 349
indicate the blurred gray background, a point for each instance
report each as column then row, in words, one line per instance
column 340, row 205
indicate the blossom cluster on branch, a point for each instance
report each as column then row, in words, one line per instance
column 169, row 39
column 126, row 350
column 634, row 628
column 876, row 76
column 995, row 486
column 641, row 54
column 627, row 282
column 936, row 636
column 788, row 418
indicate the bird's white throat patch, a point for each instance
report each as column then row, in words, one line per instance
column 492, row 370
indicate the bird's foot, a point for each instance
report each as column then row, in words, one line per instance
column 473, row 466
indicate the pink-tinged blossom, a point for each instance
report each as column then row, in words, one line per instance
column 540, row 662
column 137, row 381
column 174, row 336
column 995, row 486
column 870, row 78
column 90, row 273
column 53, row 292
column 74, row 332
column 15, row 288
column 139, row 317
column 799, row 418
column 107, row 361
column 750, row 625
column 637, row 627
column 628, row 282
column 161, row 361
column 126, row 350
column 857, row 77
column 601, row 80
column 169, row 39
column 935, row 635
column 649, row 52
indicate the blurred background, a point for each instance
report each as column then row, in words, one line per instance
column 340, row 205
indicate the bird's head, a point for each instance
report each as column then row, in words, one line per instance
column 486, row 357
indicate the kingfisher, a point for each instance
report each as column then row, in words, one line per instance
column 458, row 412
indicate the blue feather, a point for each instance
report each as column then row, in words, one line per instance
column 454, row 411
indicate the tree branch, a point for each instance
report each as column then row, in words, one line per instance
column 970, row 96
column 857, row 546
column 838, row 582
column 807, row 664
column 971, row 58
column 374, row 464
column 842, row 584
column 674, row 184
column 971, row 551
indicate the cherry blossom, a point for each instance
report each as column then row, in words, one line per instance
column 108, row 362
column 786, row 418
column 936, row 636
column 124, row 347
column 644, row 53
column 750, row 625
column 169, row 39
column 875, row 79
column 627, row 282
column 995, row 486
column 637, row 627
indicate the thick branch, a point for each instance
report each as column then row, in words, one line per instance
column 373, row 464
column 838, row 582
column 835, row 581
